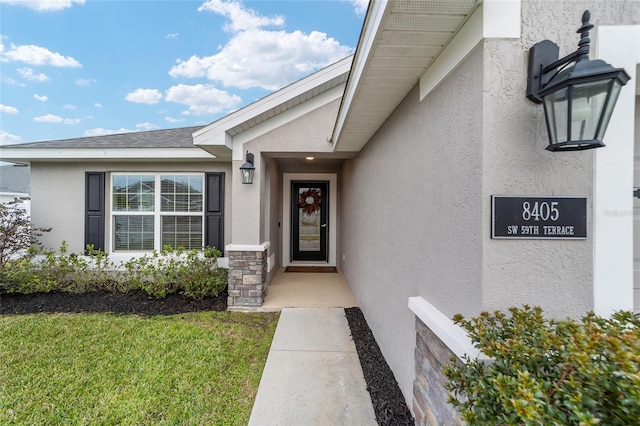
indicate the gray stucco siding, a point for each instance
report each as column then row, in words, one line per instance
column 58, row 192
column 550, row 273
column 411, row 211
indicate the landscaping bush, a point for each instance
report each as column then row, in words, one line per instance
column 192, row 273
column 17, row 235
column 549, row 371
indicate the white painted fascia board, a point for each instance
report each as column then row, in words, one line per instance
column 104, row 154
column 492, row 19
column 369, row 35
column 452, row 335
column 213, row 133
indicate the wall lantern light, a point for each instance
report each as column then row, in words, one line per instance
column 578, row 100
column 247, row 169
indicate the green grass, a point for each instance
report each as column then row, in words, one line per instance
column 102, row 369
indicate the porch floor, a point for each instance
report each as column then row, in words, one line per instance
column 308, row 290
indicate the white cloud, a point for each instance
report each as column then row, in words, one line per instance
column 145, row 96
column 41, row 98
column 202, row 99
column 360, row 6
column 68, row 106
column 99, row 131
column 28, row 74
column 242, row 19
column 173, row 120
column 36, row 55
column 172, row 35
column 147, row 126
column 256, row 57
column 50, row 118
column 97, row 105
column 8, row 138
column 44, row 5
column 83, row 82
column 8, row 109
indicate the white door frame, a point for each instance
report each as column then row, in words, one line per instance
column 332, row 178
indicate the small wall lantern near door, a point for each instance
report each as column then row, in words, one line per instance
column 578, row 100
column 247, row 169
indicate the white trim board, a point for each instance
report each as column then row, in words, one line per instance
column 452, row 335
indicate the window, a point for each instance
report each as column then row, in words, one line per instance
column 150, row 211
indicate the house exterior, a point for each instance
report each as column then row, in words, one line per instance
column 414, row 139
column 14, row 185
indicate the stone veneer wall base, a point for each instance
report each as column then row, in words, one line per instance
column 247, row 279
column 430, row 406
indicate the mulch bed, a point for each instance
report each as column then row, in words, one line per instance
column 388, row 402
column 136, row 302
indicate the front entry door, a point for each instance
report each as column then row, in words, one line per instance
column 309, row 220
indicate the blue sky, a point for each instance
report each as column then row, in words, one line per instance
column 74, row 68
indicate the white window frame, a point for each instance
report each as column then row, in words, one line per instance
column 156, row 213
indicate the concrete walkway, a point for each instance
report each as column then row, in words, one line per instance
column 313, row 374
column 308, row 290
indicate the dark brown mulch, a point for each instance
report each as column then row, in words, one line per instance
column 136, row 302
column 388, row 401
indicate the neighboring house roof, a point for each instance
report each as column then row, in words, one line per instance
column 400, row 41
column 315, row 90
column 14, row 179
column 175, row 143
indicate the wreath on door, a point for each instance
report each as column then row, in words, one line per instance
column 309, row 201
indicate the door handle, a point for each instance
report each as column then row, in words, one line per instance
column 324, row 225
column 636, row 192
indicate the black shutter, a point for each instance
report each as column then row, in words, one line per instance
column 214, row 211
column 94, row 210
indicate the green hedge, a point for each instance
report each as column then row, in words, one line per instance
column 193, row 273
column 549, row 372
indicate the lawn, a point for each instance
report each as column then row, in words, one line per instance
column 104, row 369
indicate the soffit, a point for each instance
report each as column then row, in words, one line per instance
column 400, row 40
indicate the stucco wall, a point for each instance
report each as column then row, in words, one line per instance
column 411, row 211
column 272, row 231
column 307, row 133
column 57, row 194
column 557, row 275
column 416, row 202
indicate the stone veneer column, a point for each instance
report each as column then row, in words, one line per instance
column 430, row 405
column 438, row 339
column 247, row 276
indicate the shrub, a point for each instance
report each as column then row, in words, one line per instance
column 549, row 372
column 17, row 235
column 192, row 273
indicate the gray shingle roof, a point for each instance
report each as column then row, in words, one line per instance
column 14, row 179
column 166, row 138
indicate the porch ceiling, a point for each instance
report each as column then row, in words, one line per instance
column 399, row 41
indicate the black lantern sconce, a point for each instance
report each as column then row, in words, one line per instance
column 247, row 169
column 578, row 100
